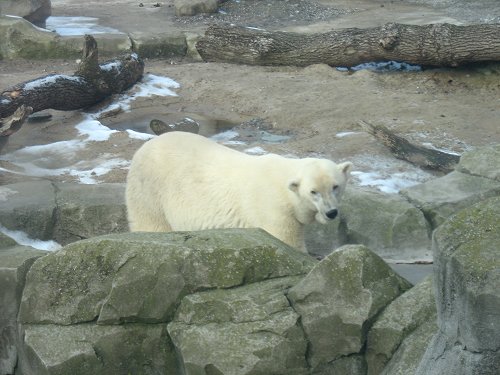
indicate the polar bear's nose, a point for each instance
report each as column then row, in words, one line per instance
column 332, row 213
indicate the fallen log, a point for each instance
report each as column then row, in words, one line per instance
column 427, row 45
column 90, row 84
column 11, row 124
column 420, row 156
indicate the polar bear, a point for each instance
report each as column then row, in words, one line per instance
column 182, row 181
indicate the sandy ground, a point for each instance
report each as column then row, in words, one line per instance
column 452, row 109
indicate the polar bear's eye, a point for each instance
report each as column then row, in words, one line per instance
column 335, row 187
column 314, row 192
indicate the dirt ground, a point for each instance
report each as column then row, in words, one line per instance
column 451, row 109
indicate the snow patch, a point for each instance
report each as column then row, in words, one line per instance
column 23, row 239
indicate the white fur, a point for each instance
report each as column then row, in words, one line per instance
column 182, row 181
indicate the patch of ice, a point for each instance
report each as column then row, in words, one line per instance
column 138, row 135
column 111, row 65
column 77, row 26
column 255, row 151
column 87, row 177
column 5, row 192
column 60, row 158
column 234, row 143
column 386, row 174
column 49, row 80
column 225, row 136
column 430, row 145
column 254, row 28
column 94, row 130
column 346, row 134
column 63, row 150
column 23, row 239
column 386, row 184
column 151, row 85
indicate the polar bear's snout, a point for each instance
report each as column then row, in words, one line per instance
column 332, row 214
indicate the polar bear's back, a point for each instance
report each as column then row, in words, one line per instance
column 177, row 179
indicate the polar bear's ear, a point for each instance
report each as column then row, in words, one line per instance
column 294, row 185
column 346, row 168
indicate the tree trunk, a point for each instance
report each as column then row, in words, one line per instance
column 427, row 45
column 423, row 157
column 14, row 122
column 90, row 84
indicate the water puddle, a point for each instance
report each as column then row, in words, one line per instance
column 71, row 26
column 139, row 120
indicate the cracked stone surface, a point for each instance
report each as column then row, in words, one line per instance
column 254, row 323
column 121, row 278
column 63, row 212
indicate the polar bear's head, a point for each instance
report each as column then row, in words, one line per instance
column 318, row 187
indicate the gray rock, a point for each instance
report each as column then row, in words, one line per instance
column 29, row 207
column 443, row 357
column 385, row 223
column 403, row 316
column 339, row 299
column 409, row 354
column 354, row 364
column 482, row 162
column 98, row 350
column 6, row 241
column 35, row 11
column 193, row 7
column 440, row 198
column 467, row 274
column 63, row 212
column 322, row 239
column 185, row 125
column 159, row 45
column 21, row 39
column 15, row 262
column 85, row 211
column 247, row 330
column 120, row 278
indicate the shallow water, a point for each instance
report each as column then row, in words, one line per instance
column 138, row 120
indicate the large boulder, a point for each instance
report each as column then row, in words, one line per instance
column 104, row 303
column 193, row 7
column 15, row 262
column 247, row 330
column 35, row 11
column 482, row 162
column 120, row 278
column 164, row 45
column 29, row 207
column 467, row 274
column 409, row 354
column 85, row 211
column 440, row 198
column 63, row 212
column 397, row 322
column 385, row 223
column 476, row 178
column 339, row 299
column 20, row 39
column 91, row 349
